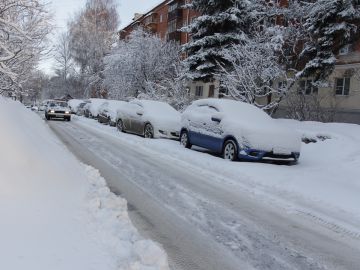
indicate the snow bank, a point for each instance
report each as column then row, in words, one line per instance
column 57, row 213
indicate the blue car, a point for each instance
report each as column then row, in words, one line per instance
column 237, row 130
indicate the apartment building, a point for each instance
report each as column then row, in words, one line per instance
column 342, row 94
column 165, row 20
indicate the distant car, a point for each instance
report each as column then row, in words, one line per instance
column 237, row 131
column 34, row 108
column 57, row 110
column 81, row 108
column 74, row 105
column 91, row 109
column 151, row 119
column 108, row 111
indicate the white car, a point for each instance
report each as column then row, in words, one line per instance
column 151, row 119
column 74, row 105
column 91, row 109
column 237, row 131
column 57, row 110
column 108, row 111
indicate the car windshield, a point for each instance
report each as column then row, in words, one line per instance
column 58, row 104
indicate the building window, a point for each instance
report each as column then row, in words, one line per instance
column 344, row 50
column 161, row 18
column 199, row 90
column 212, row 90
column 173, row 7
column 342, row 86
column 307, row 87
column 172, row 27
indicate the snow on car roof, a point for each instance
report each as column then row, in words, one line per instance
column 234, row 107
column 157, row 107
column 115, row 104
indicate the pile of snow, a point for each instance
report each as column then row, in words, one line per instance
column 57, row 213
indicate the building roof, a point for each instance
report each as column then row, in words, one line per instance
column 166, row 2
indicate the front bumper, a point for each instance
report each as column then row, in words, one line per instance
column 60, row 115
column 169, row 134
column 255, row 155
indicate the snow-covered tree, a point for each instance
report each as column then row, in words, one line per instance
column 222, row 24
column 63, row 58
column 255, row 67
column 24, row 26
column 330, row 25
column 145, row 66
column 91, row 34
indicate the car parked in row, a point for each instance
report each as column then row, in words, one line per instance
column 74, row 105
column 237, row 130
column 151, row 119
column 108, row 111
column 91, row 109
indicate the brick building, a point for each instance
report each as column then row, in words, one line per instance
column 343, row 94
column 165, row 20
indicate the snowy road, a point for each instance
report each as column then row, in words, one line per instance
column 201, row 223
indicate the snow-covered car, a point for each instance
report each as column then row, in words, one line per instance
column 237, row 131
column 81, row 108
column 91, row 109
column 34, row 108
column 74, row 105
column 57, row 110
column 151, row 119
column 108, row 111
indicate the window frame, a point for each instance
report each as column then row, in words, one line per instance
column 344, row 92
column 199, row 88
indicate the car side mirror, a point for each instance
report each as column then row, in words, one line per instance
column 216, row 119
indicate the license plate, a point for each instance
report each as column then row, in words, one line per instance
column 281, row 151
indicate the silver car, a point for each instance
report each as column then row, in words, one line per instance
column 151, row 119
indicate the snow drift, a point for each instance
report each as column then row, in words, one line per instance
column 57, row 213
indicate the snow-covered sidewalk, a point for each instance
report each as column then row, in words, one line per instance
column 57, row 213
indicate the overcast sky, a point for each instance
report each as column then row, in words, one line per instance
column 63, row 10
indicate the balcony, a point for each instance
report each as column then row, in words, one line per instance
column 174, row 36
column 175, row 14
column 151, row 22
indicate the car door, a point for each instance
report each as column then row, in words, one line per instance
column 206, row 132
column 131, row 118
column 137, row 120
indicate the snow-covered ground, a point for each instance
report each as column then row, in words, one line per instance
column 57, row 213
column 324, row 186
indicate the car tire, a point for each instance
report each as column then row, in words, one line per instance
column 120, row 126
column 230, row 150
column 149, row 131
column 184, row 140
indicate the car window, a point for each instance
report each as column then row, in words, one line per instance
column 205, row 109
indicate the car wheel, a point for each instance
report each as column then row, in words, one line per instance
column 184, row 140
column 230, row 150
column 149, row 131
column 120, row 125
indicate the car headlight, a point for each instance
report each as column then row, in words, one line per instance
column 52, row 111
column 67, row 112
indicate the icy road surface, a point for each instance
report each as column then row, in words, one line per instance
column 201, row 222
